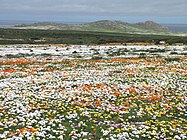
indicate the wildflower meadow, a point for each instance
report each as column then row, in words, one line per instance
column 114, row 98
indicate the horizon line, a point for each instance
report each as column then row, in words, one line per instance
column 77, row 22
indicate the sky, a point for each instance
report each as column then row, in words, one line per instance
column 80, row 11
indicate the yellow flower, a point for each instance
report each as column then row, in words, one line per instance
column 99, row 114
column 171, row 133
column 154, row 128
column 48, row 113
column 117, row 130
column 80, row 109
column 131, row 106
column 122, row 129
column 130, row 127
column 109, row 116
column 70, row 112
column 148, row 135
column 54, row 112
column 164, row 134
column 159, row 115
column 77, row 107
column 63, row 108
column 14, row 124
column 94, row 121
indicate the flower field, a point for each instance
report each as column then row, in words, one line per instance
column 116, row 98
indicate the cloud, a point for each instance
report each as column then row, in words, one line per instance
column 158, row 8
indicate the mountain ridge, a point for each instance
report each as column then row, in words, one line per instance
column 101, row 25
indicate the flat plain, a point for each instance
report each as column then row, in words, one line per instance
column 93, row 92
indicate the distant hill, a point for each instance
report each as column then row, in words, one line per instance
column 150, row 25
column 147, row 27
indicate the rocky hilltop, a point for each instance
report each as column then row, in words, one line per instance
column 102, row 25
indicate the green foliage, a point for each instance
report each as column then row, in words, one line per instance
column 28, row 36
column 174, row 53
column 172, row 59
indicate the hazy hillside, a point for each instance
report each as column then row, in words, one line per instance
column 103, row 25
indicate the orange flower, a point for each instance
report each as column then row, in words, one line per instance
column 71, row 65
column 76, row 103
column 165, row 106
column 32, row 130
column 15, row 135
column 48, row 69
column 160, row 91
column 184, row 125
column 22, row 130
column 9, row 133
column 4, row 108
column 43, row 87
column 18, row 61
column 125, row 109
column 116, row 94
column 31, row 105
column 50, row 118
column 131, row 90
column 88, row 103
column 167, row 100
column 9, row 70
column 85, row 88
column 98, row 103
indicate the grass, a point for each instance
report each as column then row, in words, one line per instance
column 172, row 59
column 31, row 36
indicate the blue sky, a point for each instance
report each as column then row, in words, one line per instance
column 161, row 11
